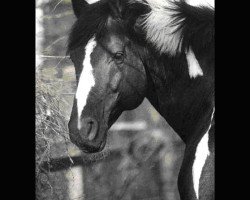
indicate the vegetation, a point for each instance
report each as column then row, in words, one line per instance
column 51, row 128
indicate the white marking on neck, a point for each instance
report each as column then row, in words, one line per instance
column 92, row 1
column 202, row 152
column 201, row 3
column 159, row 28
column 86, row 81
column 194, row 68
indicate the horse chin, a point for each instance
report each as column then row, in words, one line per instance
column 89, row 148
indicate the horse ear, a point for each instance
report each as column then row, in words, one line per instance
column 117, row 7
column 77, row 6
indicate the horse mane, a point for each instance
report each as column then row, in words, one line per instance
column 196, row 25
column 173, row 26
column 92, row 21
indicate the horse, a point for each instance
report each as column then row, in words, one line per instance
column 125, row 51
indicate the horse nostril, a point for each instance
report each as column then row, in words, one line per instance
column 91, row 129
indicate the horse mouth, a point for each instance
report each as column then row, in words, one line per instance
column 88, row 148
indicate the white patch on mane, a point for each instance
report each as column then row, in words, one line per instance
column 159, row 28
column 201, row 3
column 86, row 81
column 202, row 152
column 194, row 68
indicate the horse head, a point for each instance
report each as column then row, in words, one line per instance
column 109, row 71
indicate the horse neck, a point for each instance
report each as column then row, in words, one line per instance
column 186, row 103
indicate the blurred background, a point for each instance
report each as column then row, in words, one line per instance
column 143, row 154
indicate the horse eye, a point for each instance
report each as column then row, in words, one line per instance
column 119, row 57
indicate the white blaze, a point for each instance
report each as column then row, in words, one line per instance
column 194, row 68
column 86, row 81
column 202, row 152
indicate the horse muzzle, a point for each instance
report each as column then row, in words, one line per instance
column 87, row 137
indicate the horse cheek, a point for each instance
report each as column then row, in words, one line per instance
column 115, row 81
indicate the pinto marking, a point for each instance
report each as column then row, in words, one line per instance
column 86, row 81
column 163, row 34
column 201, row 3
column 160, row 26
column 92, row 1
column 194, row 68
column 202, row 152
